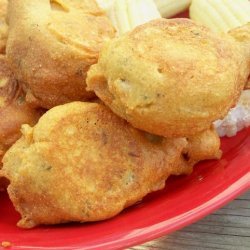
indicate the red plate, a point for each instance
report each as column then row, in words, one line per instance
column 184, row 200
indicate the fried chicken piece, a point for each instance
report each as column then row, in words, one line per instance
column 52, row 44
column 83, row 163
column 170, row 77
column 3, row 25
column 14, row 111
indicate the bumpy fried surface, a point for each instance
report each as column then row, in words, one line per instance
column 248, row 84
column 203, row 146
column 242, row 35
column 170, row 77
column 14, row 111
column 3, row 25
column 52, row 44
column 83, row 163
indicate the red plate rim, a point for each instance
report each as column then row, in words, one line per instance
column 185, row 219
column 139, row 236
column 168, row 226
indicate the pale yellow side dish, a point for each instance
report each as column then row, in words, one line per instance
column 169, row 8
column 220, row 15
column 127, row 14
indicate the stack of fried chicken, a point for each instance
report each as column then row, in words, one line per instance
column 118, row 114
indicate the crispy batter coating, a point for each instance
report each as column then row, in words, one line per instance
column 52, row 44
column 203, row 146
column 170, row 77
column 242, row 35
column 14, row 111
column 247, row 86
column 3, row 25
column 83, row 163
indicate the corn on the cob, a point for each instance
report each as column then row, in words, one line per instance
column 127, row 14
column 220, row 15
column 169, row 8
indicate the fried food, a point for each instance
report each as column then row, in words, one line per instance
column 247, row 86
column 203, row 146
column 242, row 35
column 83, row 163
column 52, row 44
column 170, row 77
column 14, row 111
column 3, row 25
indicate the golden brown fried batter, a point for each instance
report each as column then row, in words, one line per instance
column 14, row 111
column 170, row 77
column 83, row 163
column 3, row 25
column 52, row 44
column 242, row 35
column 247, row 86
column 203, row 146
